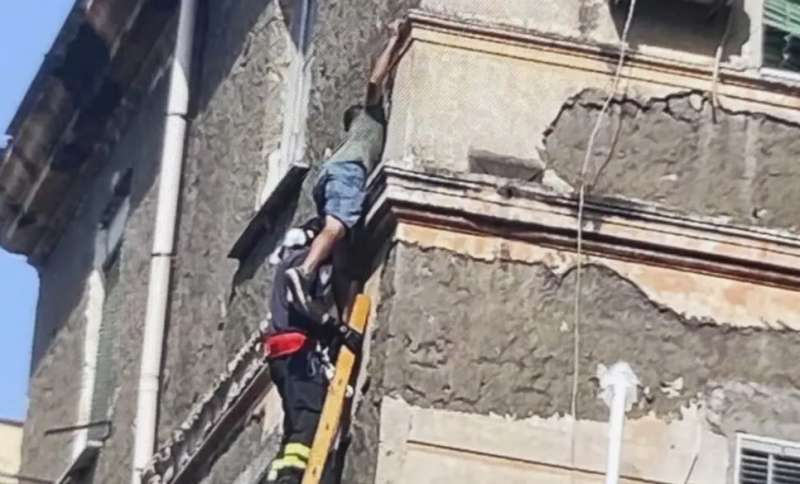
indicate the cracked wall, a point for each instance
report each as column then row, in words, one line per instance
column 235, row 125
column 530, row 103
column 677, row 151
column 496, row 338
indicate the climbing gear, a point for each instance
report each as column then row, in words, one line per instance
column 333, row 408
column 284, row 344
column 300, row 286
column 333, row 331
column 329, row 331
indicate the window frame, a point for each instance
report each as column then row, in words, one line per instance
column 296, row 101
column 742, row 441
column 768, row 72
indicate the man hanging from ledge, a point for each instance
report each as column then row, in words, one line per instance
column 303, row 338
column 340, row 189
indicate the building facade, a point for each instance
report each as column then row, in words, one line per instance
column 516, row 139
column 10, row 451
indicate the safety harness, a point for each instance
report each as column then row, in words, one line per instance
column 329, row 332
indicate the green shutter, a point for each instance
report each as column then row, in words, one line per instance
column 783, row 15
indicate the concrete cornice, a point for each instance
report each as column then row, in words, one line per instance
column 761, row 92
column 60, row 132
column 615, row 228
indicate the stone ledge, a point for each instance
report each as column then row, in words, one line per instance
column 514, row 42
column 614, row 227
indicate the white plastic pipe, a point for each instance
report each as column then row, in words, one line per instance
column 616, row 425
column 619, row 391
column 163, row 240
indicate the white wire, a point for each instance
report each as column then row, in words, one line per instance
column 718, row 60
column 623, row 48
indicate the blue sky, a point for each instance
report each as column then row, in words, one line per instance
column 27, row 29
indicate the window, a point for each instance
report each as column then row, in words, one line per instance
column 298, row 87
column 98, row 378
column 781, row 38
column 110, row 235
column 112, row 222
column 761, row 460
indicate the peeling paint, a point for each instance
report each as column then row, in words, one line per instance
column 698, row 297
column 680, row 151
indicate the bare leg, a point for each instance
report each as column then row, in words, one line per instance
column 345, row 286
column 323, row 244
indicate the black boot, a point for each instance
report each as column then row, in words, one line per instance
column 290, row 476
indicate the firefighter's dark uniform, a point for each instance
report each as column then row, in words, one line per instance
column 296, row 367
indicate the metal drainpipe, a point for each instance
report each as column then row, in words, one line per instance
column 163, row 241
column 619, row 384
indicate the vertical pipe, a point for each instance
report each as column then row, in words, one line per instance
column 163, row 241
column 616, row 425
column 619, row 386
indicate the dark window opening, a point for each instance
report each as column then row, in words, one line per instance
column 781, row 46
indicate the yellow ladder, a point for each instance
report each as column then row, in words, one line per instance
column 334, row 401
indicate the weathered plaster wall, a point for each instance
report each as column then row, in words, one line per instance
column 128, row 298
column 677, row 151
column 55, row 384
column 682, row 30
column 704, row 298
column 428, row 445
column 237, row 121
column 661, row 142
column 216, row 305
column 496, row 338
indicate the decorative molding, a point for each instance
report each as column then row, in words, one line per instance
column 513, row 42
column 616, row 228
column 215, row 418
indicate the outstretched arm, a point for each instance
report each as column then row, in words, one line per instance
column 384, row 62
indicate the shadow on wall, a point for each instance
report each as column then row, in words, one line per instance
column 684, row 25
column 86, row 54
column 256, row 259
column 226, row 38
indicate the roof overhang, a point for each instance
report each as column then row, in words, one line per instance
column 66, row 116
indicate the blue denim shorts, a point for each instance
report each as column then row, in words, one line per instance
column 339, row 191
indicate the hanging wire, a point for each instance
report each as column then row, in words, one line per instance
column 718, row 60
column 623, row 48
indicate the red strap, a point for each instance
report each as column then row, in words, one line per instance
column 284, row 344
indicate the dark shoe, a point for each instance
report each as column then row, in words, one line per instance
column 300, row 289
column 290, row 476
column 285, row 476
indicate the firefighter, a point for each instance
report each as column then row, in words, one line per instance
column 300, row 347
